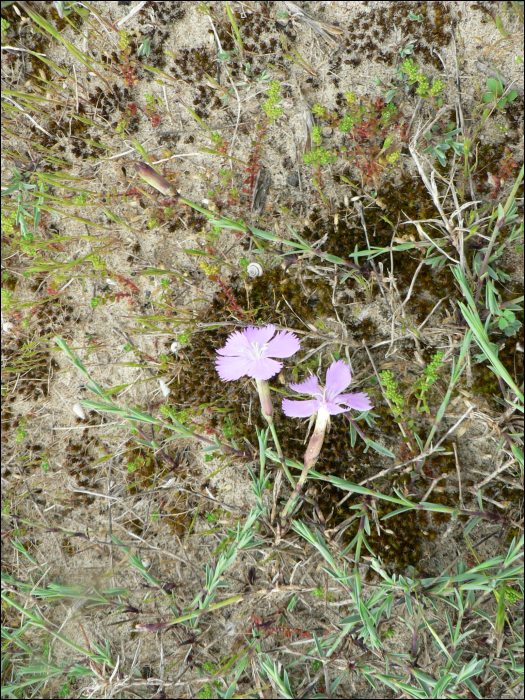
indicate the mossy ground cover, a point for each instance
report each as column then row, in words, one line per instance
column 348, row 172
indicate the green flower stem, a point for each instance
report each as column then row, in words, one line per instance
column 297, row 490
column 263, row 389
column 282, row 460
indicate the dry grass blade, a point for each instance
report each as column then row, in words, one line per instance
column 328, row 31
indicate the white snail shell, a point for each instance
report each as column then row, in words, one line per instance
column 254, row 269
column 79, row 411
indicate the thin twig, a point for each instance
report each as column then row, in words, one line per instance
column 458, row 471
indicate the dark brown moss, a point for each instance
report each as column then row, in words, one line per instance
column 378, row 25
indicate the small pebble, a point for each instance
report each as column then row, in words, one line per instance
column 293, row 179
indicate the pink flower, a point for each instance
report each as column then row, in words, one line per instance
column 325, row 403
column 329, row 400
column 249, row 352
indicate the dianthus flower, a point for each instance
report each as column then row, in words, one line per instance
column 250, row 353
column 327, row 400
column 325, row 403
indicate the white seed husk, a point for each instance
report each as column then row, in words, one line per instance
column 164, row 388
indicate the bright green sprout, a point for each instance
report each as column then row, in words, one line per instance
column 8, row 222
column 511, row 595
column 316, row 135
column 392, row 393
column 392, row 157
column 80, row 199
column 184, row 337
column 97, row 262
column 347, row 123
column 21, row 433
column 180, row 416
column 319, row 111
column 270, row 106
column 436, row 88
column 388, row 112
column 65, row 691
column 429, row 377
column 121, row 125
column 208, row 268
column 408, row 66
column 123, row 42
column 320, row 156
column 7, row 296
column 422, row 88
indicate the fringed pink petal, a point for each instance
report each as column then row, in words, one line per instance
column 338, row 377
column 285, row 344
column 300, row 409
column 358, row 401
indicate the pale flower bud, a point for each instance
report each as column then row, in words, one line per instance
column 153, row 178
column 316, row 441
column 264, row 394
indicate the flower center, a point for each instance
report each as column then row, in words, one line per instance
column 256, row 352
